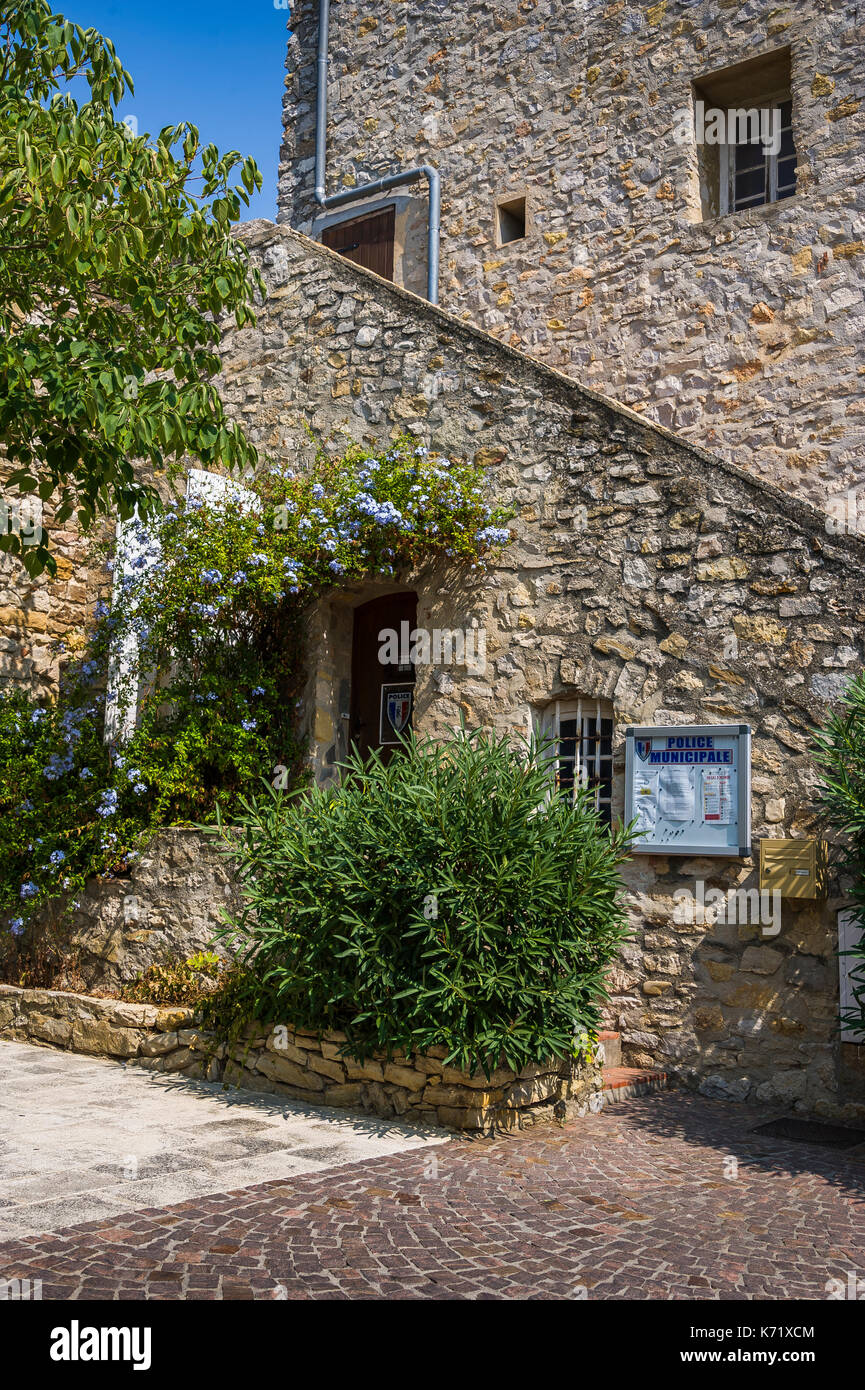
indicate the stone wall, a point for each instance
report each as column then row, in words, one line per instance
column 302, row 1066
column 43, row 621
column 644, row 572
column 742, row 333
column 167, row 908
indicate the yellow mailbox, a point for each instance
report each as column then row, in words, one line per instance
column 794, row 868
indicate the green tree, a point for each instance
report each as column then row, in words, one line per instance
column 116, row 261
column 840, row 755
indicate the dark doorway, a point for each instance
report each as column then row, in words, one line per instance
column 382, row 692
column 367, row 241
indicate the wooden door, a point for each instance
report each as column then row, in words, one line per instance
column 382, row 692
column 367, row 241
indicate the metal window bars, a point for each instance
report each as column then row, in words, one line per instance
column 584, row 752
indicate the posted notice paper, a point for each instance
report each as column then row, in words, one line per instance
column 676, row 793
column 646, row 800
column 717, row 796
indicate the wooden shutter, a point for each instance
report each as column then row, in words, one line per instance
column 367, row 241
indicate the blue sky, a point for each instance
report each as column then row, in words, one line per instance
column 219, row 65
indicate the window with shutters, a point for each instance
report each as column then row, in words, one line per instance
column 367, row 240
column 582, row 735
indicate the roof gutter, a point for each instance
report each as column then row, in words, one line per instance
column 367, row 190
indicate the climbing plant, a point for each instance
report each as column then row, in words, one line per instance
column 209, row 610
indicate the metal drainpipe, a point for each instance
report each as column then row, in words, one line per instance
column 413, row 175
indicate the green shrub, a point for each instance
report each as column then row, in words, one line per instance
column 176, row 981
column 840, row 754
column 446, row 898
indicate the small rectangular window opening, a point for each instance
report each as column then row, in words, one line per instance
column 510, row 221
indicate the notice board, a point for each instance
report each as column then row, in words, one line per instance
column 689, row 788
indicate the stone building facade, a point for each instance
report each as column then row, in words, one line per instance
column 670, row 559
column 646, row 575
column 741, row 332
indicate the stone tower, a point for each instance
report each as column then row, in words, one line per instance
column 597, row 213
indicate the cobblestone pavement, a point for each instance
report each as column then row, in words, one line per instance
column 638, row 1202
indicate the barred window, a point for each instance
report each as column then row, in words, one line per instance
column 583, row 735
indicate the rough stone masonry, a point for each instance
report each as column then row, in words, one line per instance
column 645, row 573
column 743, row 333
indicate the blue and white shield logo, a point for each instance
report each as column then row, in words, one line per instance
column 643, row 747
column 398, row 708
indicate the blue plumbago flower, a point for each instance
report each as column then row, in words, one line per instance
column 493, row 535
column 247, row 724
column 37, row 715
column 258, row 690
column 317, row 491
column 140, row 788
column 133, row 774
column 120, row 761
column 238, row 578
column 205, row 610
column 337, row 567
column 56, row 857
column 29, row 889
column 212, row 695
column 257, row 558
column 16, row 926
column 56, row 766
column 107, row 803
column 101, row 610
column 259, row 530
column 211, row 577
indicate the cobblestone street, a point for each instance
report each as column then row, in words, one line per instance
column 639, row 1202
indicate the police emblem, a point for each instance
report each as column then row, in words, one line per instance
column 396, row 710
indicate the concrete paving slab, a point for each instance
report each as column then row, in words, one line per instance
column 84, row 1139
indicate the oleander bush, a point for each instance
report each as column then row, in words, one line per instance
column 447, row 898
column 840, row 755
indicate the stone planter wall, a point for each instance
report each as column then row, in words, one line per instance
column 297, row 1064
column 167, row 907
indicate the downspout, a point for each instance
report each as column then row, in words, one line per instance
column 366, row 190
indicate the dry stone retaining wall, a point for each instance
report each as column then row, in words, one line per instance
column 301, row 1065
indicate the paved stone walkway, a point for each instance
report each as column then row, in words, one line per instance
column 671, row 1196
column 85, row 1139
